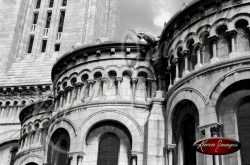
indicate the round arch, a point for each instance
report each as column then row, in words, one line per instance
column 124, row 119
column 35, row 159
column 232, row 108
column 177, row 97
column 61, row 124
column 217, row 24
column 226, row 81
column 185, row 130
column 103, row 129
column 58, row 147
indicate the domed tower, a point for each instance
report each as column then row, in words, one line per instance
column 106, row 108
column 34, row 127
column 207, row 46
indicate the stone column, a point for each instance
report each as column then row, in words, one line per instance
column 18, row 109
column 119, row 81
column 3, row 109
column 170, row 150
column 39, row 137
column 215, row 132
column 214, row 41
column 134, row 81
column 233, row 34
column 72, row 159
column 69, row 96
column 104, row 86
column 10, row 111
column 209, row 131
column 84, row 92
column 186, row 54
column 177, row 76
column 61, row 100
column 134, row 159
column 149, row 88
column 79, row 91
column 170, row 79
column 208, row 159
column 76, row 158
column 91, row 84
column 197, row 48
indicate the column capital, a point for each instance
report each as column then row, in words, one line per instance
column 214, row 38
column 175, row 60
column 151, row 80
column 215, row 130
column 61, row 92
column 76, row 154
column 134, row 79
column 232, row 32
column 78, row 84
column 197, row 46
column 135, row 153
column 209, row 126
column 170, row 147
column 105, row 79
column 212, row 129
column 120, row 79
column 185, row 53
column 69, row 87
column 169, row 69
column 92, row 81
column 159, row 97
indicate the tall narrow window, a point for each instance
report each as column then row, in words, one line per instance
column 61, row 22
column 38, row 3
column 44, row 44
column 108, row 152
column 51, row 3
column 48, row 19
column 64, row 2
column 30, row 44
column 57, row 47
column 35, row 18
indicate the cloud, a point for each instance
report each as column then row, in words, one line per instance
column 162, row 18
column 146, row 15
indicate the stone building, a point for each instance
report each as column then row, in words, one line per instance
column 125, row 103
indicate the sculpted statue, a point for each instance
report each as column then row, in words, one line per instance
column 151, row 40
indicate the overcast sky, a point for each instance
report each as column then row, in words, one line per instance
column 147, row 15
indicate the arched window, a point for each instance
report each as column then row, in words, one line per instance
column 192, row 59
column 59, row 146
column 243, row 116
column 223, row 42
column 206, row 49
column 108, row 151
column 242, row 37
column 233, row 108
column 186, row 132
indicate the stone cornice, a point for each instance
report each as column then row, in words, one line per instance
column 144, row 105
column 82, row 54
column 24, row 89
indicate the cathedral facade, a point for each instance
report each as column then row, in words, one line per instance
column 124, row 103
